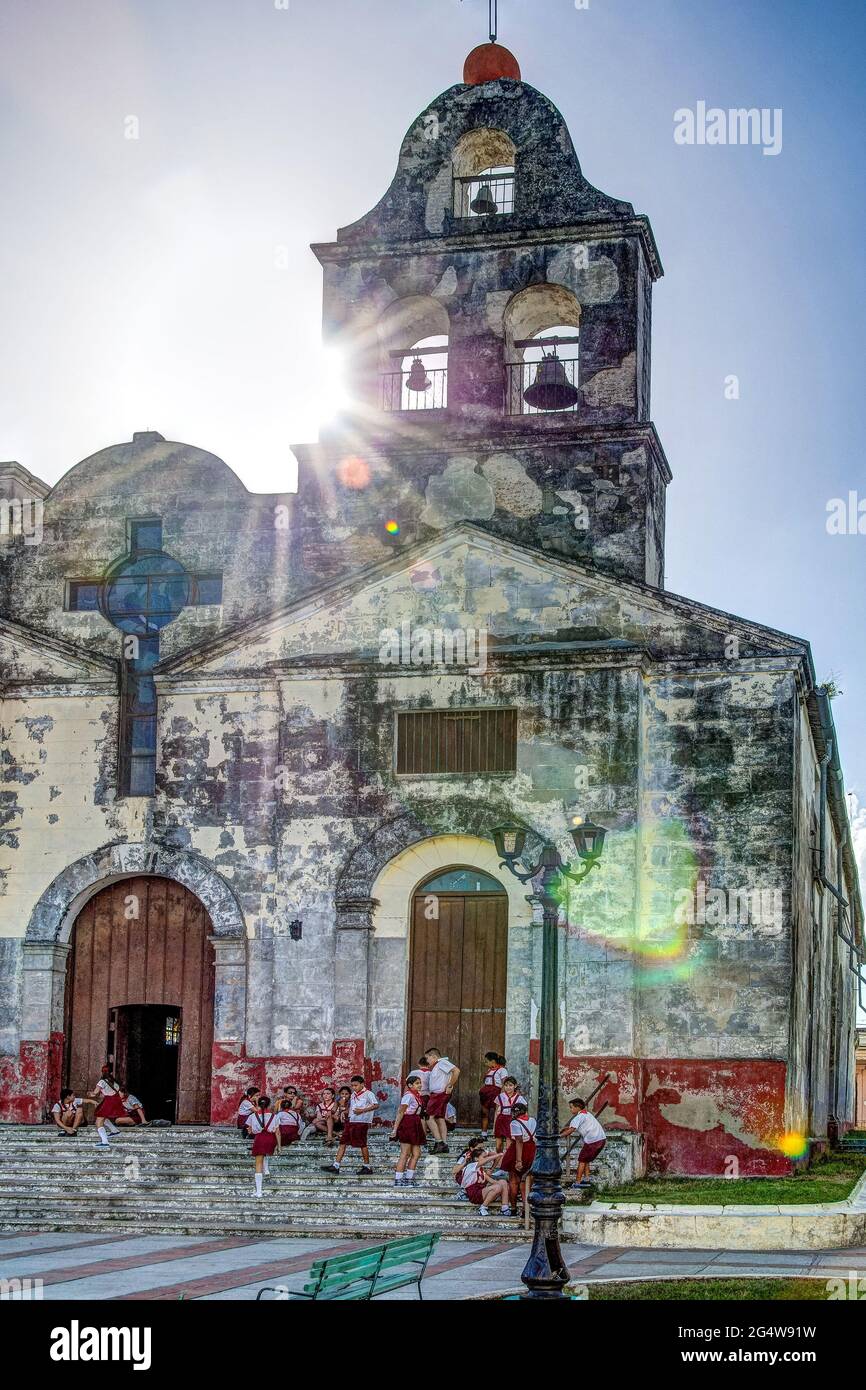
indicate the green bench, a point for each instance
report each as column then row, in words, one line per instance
column 363, row 1274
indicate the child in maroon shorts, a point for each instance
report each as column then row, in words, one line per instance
column 409, row 1131
column 584, row 1126
column 362, row 1107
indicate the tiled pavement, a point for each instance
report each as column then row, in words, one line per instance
column 168, row 1267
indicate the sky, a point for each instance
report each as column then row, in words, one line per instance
column 165, row 281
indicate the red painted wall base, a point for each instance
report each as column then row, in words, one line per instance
column 234, row 1071
column 30, row 1082
column 707, row 1118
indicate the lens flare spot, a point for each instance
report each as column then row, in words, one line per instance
column 792, row 1144
column 353, row 471
column 392, row 527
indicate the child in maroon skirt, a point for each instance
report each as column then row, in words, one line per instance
column 344, row 1095
column 109, row 1106
column 325, row 1117
column 509, row 1096
column 290, row 1123
column 518, row 1157
column 265, row 1129
column 474, row 1179
column 247, row 1107
column 409, row 1131
column 133, row 1110
column 491, row 1085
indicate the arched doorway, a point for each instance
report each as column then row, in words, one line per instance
column 457, row 975
column 140, row 993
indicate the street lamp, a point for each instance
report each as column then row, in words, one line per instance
column 546, row 1272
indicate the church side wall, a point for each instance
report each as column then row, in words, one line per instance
column 58, row 751
column 714, row 980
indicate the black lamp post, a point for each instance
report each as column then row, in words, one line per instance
column 546, row 1272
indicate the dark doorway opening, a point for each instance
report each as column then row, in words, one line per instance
column 143, row 1048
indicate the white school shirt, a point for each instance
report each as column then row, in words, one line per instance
column 588, row 1127
column 507, row 1103
column 106, row 1087
column 439, row 1076
column 246, row 1107
column 450, row 1112
column 289, row 1117
column 519, row 1128
column 259, row 1123
column 58, row 1109
column 131, row 1103
column 411, row 1102
column 471, row 1173
column 496, row 1078
column 424, row 1078
column 360, row 1102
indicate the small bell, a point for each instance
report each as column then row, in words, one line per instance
column 484, row 204
column 551, row 389
column 418, row 380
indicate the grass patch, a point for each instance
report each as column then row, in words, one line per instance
column 830, row 1179
column 712, row 1290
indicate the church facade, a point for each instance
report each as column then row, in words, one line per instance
column 254, row 746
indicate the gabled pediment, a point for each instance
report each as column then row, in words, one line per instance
column 28, row 657
column 472, row 580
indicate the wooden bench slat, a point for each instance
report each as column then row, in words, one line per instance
column 356, row 1274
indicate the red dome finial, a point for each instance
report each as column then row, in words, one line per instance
column 488, row 62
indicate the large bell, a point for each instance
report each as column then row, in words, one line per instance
column 484, row 203
column 418, row 380
column 551, row 389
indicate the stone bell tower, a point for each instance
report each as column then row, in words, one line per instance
column 493, row 315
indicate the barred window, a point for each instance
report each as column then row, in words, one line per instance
column 456, row 741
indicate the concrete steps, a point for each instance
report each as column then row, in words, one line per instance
column 199, row 1181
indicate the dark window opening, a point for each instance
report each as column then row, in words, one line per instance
column 456, row 741
column 137, row 770
column 208, row 588
column 82, row 596
column 145, row 536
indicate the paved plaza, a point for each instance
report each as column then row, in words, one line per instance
column 124, row 1268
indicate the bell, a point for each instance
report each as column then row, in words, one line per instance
column 551, row 389
column 418, row 380
column 484, row 204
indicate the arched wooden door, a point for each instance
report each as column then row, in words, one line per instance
column 140, row 991
column 457, row 976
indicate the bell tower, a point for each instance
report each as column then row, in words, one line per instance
column 492, row 314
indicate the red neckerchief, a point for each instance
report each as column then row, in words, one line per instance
column 417, row 1099
column 507, row 1102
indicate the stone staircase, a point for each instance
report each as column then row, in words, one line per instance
column 199, row 1181
column 854, row 1142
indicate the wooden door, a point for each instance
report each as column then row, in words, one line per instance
column 457, row 986
column 143, row 941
